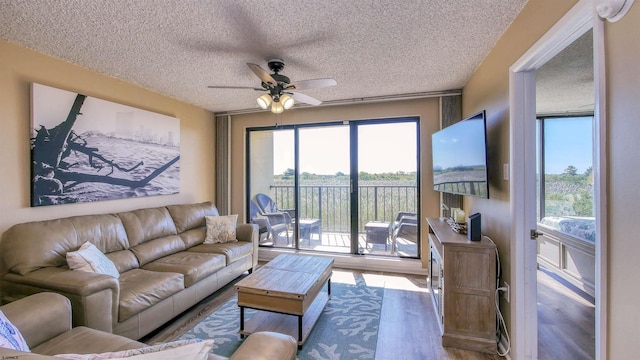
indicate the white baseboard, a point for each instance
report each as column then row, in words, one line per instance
column 356, row 262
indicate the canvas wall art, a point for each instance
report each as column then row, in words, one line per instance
column 86, row 149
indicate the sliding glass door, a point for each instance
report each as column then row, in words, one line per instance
column 387, row 188
column 271, row 185
column 347, row 187
column 324, row 191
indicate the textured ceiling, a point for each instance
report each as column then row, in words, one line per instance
column 564, row 84
column 372, row 48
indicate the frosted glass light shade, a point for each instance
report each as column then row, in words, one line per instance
column 264, row 101
column 277, row 108
column 287, row 101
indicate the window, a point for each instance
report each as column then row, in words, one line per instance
column 565, row 179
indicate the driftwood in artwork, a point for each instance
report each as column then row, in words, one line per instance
column 53, row 173
column 76, row 178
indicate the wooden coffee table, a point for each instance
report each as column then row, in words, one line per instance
column 287, row 285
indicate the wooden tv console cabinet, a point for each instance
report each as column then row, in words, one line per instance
column 462, row 279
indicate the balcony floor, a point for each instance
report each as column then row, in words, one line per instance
column 339, row 242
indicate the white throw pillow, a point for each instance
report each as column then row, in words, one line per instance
column 221, row 229
column 10, row 336
column 89, row 258
column 180, row 349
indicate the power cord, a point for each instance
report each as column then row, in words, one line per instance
column 501, row 323
column 500, row 318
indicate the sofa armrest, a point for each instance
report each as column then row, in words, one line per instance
column 249, row 233
column 63, row 280
column 40, row 317
column 94, row 297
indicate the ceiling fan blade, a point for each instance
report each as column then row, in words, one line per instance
column 235, row 87
column 312, row 84
column 262, row 74
column 305, row 98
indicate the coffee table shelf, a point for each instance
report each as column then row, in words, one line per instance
column 285, row 323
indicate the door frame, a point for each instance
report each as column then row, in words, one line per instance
column 522, row 106
column 352, row 126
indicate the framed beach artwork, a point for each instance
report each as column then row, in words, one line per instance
column 85, row 149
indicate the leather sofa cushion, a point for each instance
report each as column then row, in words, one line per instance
column 124, row 260
column 191, row 216
column 27, row 247
column 140, row 289
column 194, row 266
column 84, row 340
column 157, row 248
column 147, row 224
column 194, row 237
column 232, row 250
column 272, row 345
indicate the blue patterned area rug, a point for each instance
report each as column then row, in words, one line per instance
column 346, row 329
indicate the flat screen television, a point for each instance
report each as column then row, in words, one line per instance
column 460, row 157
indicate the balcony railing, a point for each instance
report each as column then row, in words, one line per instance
column 331, row 203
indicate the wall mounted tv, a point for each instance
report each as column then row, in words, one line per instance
column 460, row 157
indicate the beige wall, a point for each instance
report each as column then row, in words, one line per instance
column 427, row 109
column 489, row 89
column 19, row 67
column 623, row 104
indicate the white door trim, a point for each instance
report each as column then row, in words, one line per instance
column 523, row 308
column 600, row 170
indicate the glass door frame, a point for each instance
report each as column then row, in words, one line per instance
column 353, row 155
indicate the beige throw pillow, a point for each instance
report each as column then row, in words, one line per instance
column 89, row 258
column 221, row 229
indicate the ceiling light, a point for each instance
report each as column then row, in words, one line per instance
column 287, row 101
column 276, row 107
column 264, row 101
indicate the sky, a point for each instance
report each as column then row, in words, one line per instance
column 569, row 141
column 460, row 144
column 325, row 150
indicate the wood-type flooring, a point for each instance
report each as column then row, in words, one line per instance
column 408, row 325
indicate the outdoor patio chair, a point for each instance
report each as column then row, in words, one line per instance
column 276, row 215
column 405, row 226
column 272, row 232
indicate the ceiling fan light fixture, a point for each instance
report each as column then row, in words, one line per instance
column 264, row 101
column 280, row 95
column 276, row 107
column 287, row 101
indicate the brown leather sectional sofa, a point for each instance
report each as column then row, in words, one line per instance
column 164, row 266
column 44, row 320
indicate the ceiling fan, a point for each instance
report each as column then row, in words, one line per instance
column 281, row 94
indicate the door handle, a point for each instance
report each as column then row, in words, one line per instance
column 535, row 234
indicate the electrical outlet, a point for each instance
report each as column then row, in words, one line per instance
column 507, row 291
